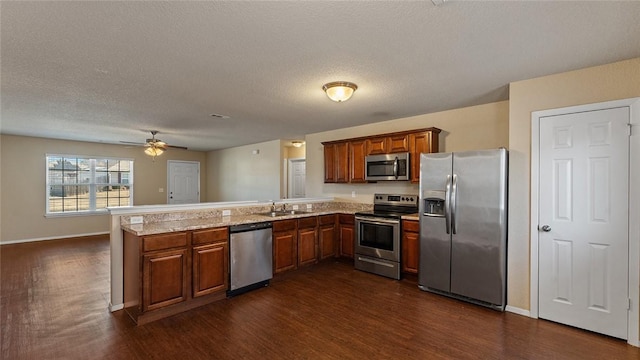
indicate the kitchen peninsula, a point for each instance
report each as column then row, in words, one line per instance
column 185, row 221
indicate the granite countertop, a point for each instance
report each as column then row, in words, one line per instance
column 415, row 217
column 217, row 221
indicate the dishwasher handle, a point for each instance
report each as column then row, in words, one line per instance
column 249, row 227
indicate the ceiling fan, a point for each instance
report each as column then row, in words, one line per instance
column 154, row 147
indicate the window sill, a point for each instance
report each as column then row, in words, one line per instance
column 75, row 214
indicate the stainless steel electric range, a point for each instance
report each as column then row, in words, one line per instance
column 378, row 234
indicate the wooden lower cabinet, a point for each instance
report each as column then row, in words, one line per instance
column 346, row 230
column 210, row 269
column 165, row 279
column 327, row 243
column 165, row 274
column 210, row 261
column 285, row 246
column 307, row 241
column 410, row 246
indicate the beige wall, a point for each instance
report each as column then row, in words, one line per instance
column 471, row 128
column 236, row 174
column 615, row 81
column 23, row 184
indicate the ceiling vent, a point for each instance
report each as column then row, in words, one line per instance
column 219, row 116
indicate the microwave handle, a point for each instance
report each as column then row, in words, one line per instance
column 395, row 167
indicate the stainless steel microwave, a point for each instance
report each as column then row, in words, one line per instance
column 387, row 167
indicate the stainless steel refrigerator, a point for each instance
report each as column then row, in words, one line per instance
column 463, row 225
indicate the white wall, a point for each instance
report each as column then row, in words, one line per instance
column 237, row 174
column 614, row 81
column 24, row 192
column 471, row 128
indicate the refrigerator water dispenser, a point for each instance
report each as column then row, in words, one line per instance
column 433, row 203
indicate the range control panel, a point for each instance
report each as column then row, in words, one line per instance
column 396, row 199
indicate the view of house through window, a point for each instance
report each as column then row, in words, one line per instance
column 83, row 184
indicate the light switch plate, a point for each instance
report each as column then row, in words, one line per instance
column 136, row 220
column 226, row 212
column 295, row 207
column 308, row 206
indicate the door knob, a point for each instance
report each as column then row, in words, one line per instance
column 545, row 228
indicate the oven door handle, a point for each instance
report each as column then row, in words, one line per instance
column 377, row 221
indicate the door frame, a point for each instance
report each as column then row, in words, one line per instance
column 290, row 162
column 633, row 316
column 169, row 176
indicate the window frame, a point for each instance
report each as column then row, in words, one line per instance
column 93, row 184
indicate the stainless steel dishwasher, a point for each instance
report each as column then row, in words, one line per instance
column 251, row 256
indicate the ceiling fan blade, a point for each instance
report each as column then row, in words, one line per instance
column 133, row 143
column 177, row 147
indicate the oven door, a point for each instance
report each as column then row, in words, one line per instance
column 378, row 237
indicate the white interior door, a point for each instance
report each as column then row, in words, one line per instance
column 583, row 220
column 183, row 182
column 297, row 177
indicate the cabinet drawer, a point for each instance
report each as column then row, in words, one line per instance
column 327, row 219
column 308, row 222
column 164, row 241
column 284, row 225
column 412, row 226
column 210, row 236
column 347, row 219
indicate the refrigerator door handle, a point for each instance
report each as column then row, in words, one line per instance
column 454, row 204
column 447, row 203
column 395, row 167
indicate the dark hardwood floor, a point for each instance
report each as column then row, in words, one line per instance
column 54, row 297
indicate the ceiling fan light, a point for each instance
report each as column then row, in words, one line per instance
column 339, row 91
column 153, row 151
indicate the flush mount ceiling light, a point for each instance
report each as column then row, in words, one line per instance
column 339, row 91
column 297, row 144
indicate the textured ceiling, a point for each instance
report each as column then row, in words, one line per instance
column 111, row 71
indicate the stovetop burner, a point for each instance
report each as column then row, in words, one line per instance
column 392, row 206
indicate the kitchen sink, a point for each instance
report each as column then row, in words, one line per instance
column 283, row 213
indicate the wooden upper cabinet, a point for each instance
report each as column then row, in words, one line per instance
column 419, row 143
column 398, row 143
column 336, row 162
column 342, row 162
column 330, row 163
column 377, row 145
column 357, row 152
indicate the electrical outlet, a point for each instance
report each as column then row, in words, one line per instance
column 136, row 220
column 295, row 207
column 309, row 207
column 353, row 193
column 161, row 190
column 226, row 212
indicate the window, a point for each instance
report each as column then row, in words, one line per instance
column 77, row 184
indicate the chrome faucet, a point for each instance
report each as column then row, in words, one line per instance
column 273, row 206
column 284, row 207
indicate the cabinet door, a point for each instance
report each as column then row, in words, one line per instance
column 307, row 253
column 342, row 162
column 164, row 279
column 410, row 246
column 329, row 163
column 327, row 241
column 284, row 251
column 377, row 145
column 210, row 269
column 346, row 240
column 357, row 151
column 398, row 143
column 422, row 142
